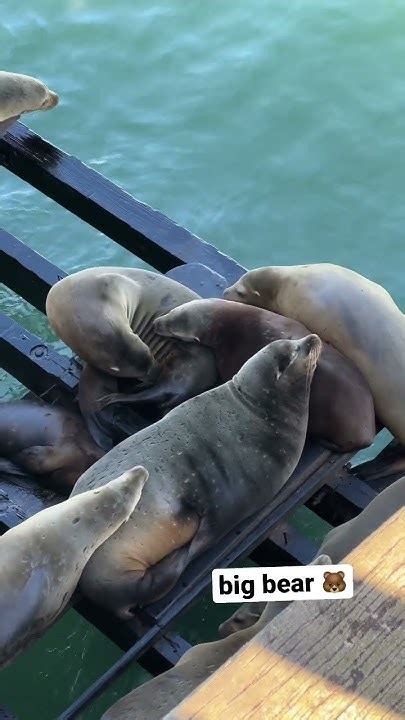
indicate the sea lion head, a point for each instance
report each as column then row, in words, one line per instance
column 118, row 498
column 51, row 100
column 22, row 93
column 244, row 617
column 280, row 368
column 36, row 95
column 257, row 287
column 190, row 322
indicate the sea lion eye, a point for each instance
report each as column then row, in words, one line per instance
column 283, row 363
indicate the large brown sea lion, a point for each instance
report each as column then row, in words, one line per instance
column 41, row 559
column 341, row 408
column 22, row 93
column 355, row 315
column 46, row 440
column 106, row 316
column 337, row 544
column 213, row 461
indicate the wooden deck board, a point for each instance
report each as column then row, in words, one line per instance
column 323, row 660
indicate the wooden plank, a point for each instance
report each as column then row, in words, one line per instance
column 133, row 224
column 320, row 660
column 166, row 651
column 284, row 546
column 200, row 278
column 25, row 271
column 33, row 362
column 31, row 276
column 21, row 497
column 5, row 125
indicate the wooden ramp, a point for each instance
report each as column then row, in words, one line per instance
column 323, row 660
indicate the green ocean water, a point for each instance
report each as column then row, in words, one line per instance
column 273, row 130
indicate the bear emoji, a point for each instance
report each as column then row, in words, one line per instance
column 334, row 582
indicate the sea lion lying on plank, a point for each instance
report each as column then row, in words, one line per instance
column 213, row 461
column 41, row 559
column 106, row 314
column 341, row 408
column 46, row 441
column 22, row 93
column 355, row 315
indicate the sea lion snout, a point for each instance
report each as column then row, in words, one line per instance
column 179, row 323
column 50, row 101
column 235, row 292
column 310, row 344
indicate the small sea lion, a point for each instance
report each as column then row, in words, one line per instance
column 46, row 440
column 355, row 315
column 157, row 697
column 341, row 408
column 22, row 93
column 213, row 461
column 338, row 543
column 106, row 316
column 41, row 559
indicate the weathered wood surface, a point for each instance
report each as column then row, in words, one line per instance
column 5, row 125
column 323, row 660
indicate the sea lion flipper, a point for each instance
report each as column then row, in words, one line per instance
column 93, row 385
column 10, row 469
column 16, row 617
column 99, row 429
column 245, row 616
column 41, row 459
column 389, row 462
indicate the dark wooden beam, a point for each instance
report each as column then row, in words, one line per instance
column 25, row 271
column 285, row 546
column 5, row 125
column 33, row 362
column 136, row 226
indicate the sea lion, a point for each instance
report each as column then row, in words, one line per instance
column 338, row 543
column 106, row 316
column 341, row 408
column 22, row 93
column 41, row 559
column 355, row 315
column 213, row 461
column 46, row 440
column 157, row 697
